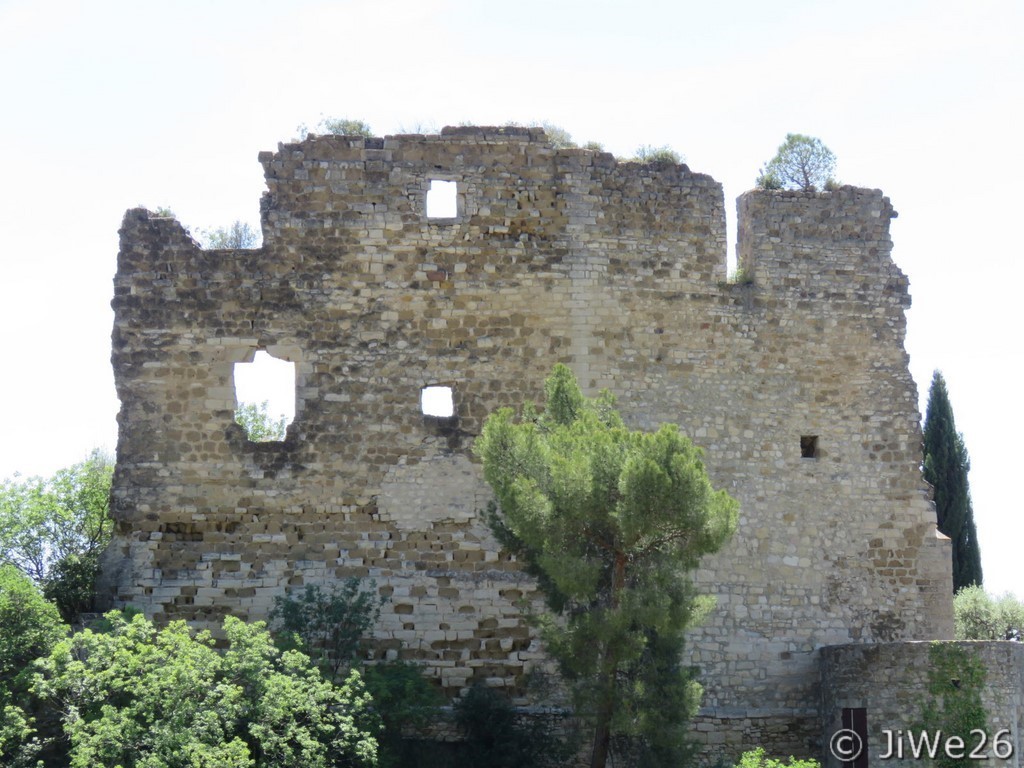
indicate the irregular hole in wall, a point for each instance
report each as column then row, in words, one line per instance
column 808, row 446
column 437, row 401
column 264, row 397
column 442, row 199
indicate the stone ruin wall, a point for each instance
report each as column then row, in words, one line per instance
column 556, row 255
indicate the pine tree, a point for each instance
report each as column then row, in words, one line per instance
column 945, row 466
column 611, row 522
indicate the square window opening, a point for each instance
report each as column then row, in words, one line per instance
column 809, row 446
column 442, row 199
column 437, row 402
column 264, row 397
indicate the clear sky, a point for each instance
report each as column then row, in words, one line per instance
column 106, row 105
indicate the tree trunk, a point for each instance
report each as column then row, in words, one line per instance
column 606, row 706
column 602, row 731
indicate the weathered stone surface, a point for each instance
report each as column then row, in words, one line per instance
column 617, row 270
column 890, row 681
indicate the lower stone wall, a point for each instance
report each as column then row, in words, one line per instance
column 722, row 738
column 891, row 682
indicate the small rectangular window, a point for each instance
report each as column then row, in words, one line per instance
column 809, row 446
column 442, row 200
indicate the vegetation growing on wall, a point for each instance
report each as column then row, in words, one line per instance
column 956, row 678
column 801, row 162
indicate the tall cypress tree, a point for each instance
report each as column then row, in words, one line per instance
column 945, row 466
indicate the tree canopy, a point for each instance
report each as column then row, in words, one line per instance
column 30, row 626
column 259, row 425
column 238, row 235
column 946, row 465
column 54, row 529
column 139, row 696
column 611, row 521
column 801, row 162
column 980, row 616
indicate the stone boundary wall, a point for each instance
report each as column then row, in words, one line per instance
column 555, row 255
column 890, row 680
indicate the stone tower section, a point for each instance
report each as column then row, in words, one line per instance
column 796, row 384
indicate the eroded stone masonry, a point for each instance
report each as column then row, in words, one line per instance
column 796, row 384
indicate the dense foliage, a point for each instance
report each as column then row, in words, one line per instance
column 946, row 465
column 54, row 529
column 327, row 623
column 756, row 758
column 495, row 736
column 139, row 696
column 406, row 703
column 980, row 616
column 801, row 162
column 29, row 628
column 611, row 522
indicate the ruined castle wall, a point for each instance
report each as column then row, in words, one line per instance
column 617, row 270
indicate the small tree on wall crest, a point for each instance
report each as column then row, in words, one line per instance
column 801, row 162
column 337, row 126
column 611, row 522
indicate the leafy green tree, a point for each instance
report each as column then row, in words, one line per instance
column 326, row 623
column 946, row 465
column 611, row 522
column 980, row 616
column 801, row 162
column 664, row 154
column 54, row 529
column 140, row 697
column 29, row 627
column 259, row 425
column 238, row 235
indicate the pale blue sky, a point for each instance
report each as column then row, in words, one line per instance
column 105, row 105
